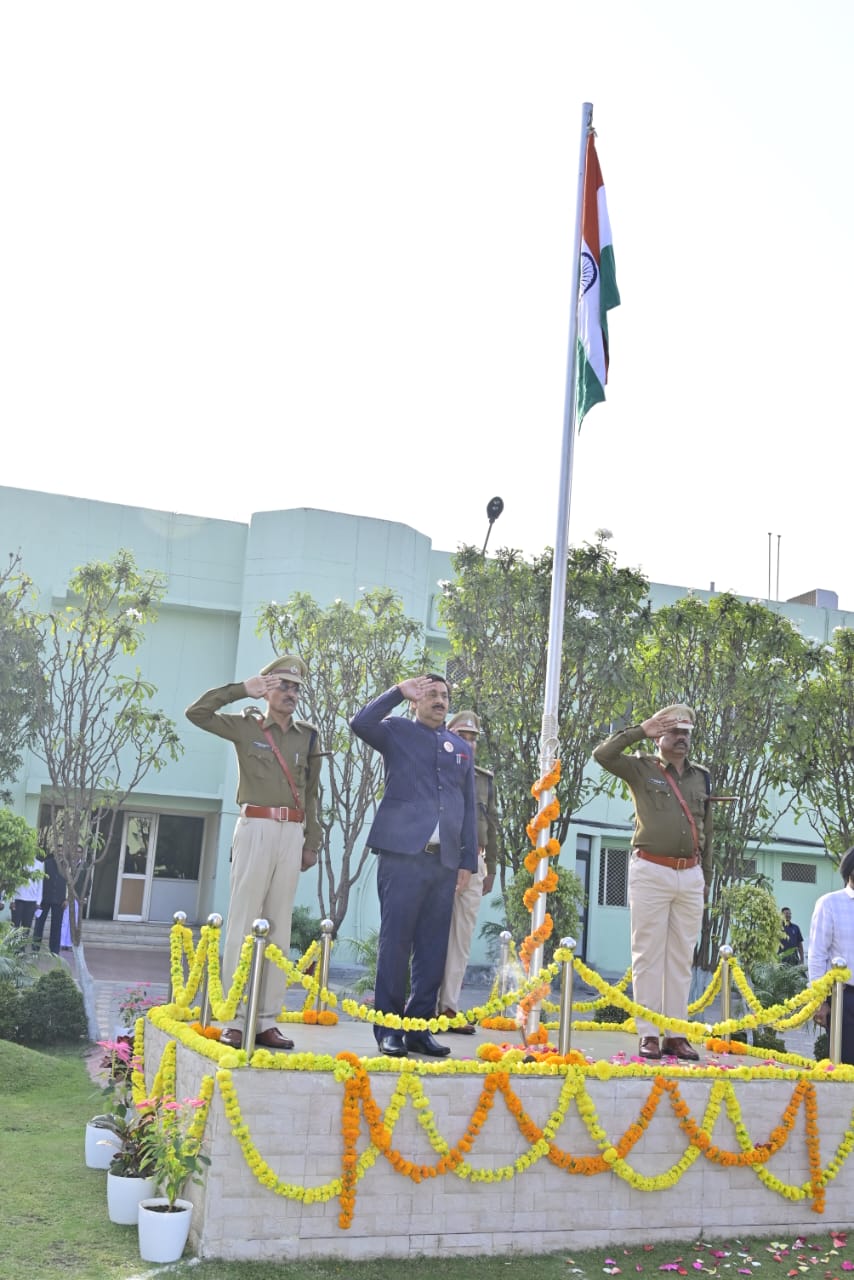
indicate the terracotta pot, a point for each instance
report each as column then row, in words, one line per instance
column 162, row 1235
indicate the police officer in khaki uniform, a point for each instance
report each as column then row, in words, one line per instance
column 465, row 724
column 671, row 867
column 278, row 831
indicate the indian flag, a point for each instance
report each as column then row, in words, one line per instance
column 597, row 288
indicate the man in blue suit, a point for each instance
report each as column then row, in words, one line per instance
column 425, row 836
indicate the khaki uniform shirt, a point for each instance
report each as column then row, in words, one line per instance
column 660, row 822
column 487, row 817
column 261, row 779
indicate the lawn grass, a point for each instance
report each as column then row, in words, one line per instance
column 54, row 1224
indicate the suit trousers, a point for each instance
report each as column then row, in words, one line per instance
column 667, row 914
column 416, row 894
column 265, row 865
column 463, row 919
column 56, row 910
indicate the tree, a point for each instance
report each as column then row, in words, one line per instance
column 739, row 665
column 821, row 733
column 100, row 737
column 19, row 848
column 497, row 614
column 353, row 653
column 21, row 688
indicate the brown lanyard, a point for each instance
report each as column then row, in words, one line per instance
column 679, row 796
column 281, row 759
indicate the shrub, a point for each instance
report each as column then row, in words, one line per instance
column 9, row 1009
column 305, row 929
column 51, row 1010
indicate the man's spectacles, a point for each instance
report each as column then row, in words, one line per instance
column 288, row 686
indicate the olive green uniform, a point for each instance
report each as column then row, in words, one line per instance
column 266, row 854
column 467, row 901
column 666, row 903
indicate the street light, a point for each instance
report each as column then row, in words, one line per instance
column 493, row 510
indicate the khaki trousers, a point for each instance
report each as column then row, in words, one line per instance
column 466, row 906
column 667, row 915
column 265, row 867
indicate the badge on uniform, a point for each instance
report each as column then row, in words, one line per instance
column 449, row 746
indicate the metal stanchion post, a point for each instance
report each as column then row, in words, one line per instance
column 504, row 959
column 835, row 1027
column 567, row 974
column 726, row 983
column 180, row 917
column 326, row 927
column 260, row 930
column 214, row 921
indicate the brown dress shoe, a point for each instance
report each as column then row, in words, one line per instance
column 679, row 1047
column 272, row 1038
column 466, row 1030
column 649, row 1047
column 233, row 1037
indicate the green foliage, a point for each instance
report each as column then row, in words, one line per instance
column 353, row 653
column 365, row 952
column 754, row 926
column 9, row 1008
column 773, row 983
column 19, row 848
column 611, row 1013
column 821, row 736
column 21, row 687
column 171, row 1157
column 739, row 665
column 100, row 738
column 51, row 1010
column 497, row 614
column 17, row 962
column 564, row 905
column 305, row 929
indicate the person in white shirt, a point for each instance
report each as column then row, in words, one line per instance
column 26, row 898
column 831, row 935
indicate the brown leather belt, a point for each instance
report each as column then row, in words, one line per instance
column 432, row 848
column 678, row 864
column 278, row 814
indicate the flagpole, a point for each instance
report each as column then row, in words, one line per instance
column 549, row 728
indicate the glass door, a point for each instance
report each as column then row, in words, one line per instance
column 139, row 835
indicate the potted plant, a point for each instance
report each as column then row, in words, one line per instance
column 176, row 1158
column 134, row 1004
column 130, row 1175
column 103, row 1132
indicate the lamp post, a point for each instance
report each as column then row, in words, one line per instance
column 493, row 510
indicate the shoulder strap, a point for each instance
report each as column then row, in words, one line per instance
column 688, row 814
column 281, row 759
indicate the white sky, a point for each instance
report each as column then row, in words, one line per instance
column 269, row 255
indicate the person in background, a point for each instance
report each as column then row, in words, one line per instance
column 466, row 725
column 53, row 894
column 26, row 898
column 831, row 935
column 792, row 945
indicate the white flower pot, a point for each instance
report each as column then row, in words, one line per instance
column 124, row 1195
column 162, row 1235
column 102, row 1143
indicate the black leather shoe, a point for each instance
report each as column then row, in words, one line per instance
column 425, row 1042
column 391, row 1044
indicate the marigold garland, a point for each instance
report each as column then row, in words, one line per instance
column 358, row 1104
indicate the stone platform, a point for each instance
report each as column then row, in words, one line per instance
column 514, row 1198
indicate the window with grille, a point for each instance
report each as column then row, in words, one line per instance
column 798, row 872
column 745, row 868
column 614, row 878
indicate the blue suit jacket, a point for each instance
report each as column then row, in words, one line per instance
column 429, row 777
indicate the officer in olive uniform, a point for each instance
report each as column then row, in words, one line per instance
column 278, row 831
column 465, row 724
column 671, row 867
